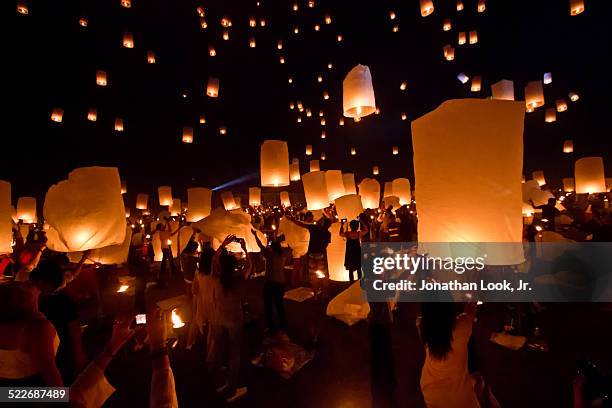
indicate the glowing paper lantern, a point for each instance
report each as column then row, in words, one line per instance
column 568, row 184
column 388, row 189
column 297, row 238
column 503, row 90
column 128, row 40
column 459, row 5
column 187, row 134
column 538, row 176
column 427, row 7
column 151, row 57
column 481, row 6
column 101, row 78
column 478, row 150
column 534, row 94
column 142, row 201
column 573, row 96
column 369, row 190
column 335, row 185
column 358, row 93
column 165, row 195
column 547, row 78
column 353, row 151
column 229, row 203
column 22, row 8
column 26, row 209
column 576, row 7
column 220, row 223
column 568, row 146
column 294, row 170
column 550, row 116
column 212, row 88
column 449, row 52
column 284, row 199
column 254, row 196
column 92, row 115
column 589, row 175
column 335, row 255
column 608, row 183
column 123, row 187
column 109, row 255
column 395, row 150
column 274, row 163
column 463, row 78
column 476, row 83
column 447, row 25
column 198, row 203
column 349, row 206
column 126, row 3
column 315, row 190
column 473, row 35
column 401, row 189
column 348, row 179
column 561, row 105
column 308, row 150
column 175, row 207
column 391, row 201
column 118, row 125
column 375, row 170
column 461, row 38
column 57, row 114
column 314, row 165
column 6, row 231
column 86, row 211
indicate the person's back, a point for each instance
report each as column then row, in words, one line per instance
column 275, row 265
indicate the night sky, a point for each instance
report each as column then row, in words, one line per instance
column 52, row 62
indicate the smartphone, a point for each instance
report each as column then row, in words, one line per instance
column 343, row 220
column 141, row 319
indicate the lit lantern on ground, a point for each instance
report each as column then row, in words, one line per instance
column 573, row 96
column 274, row 163
column 198, row 203
column 175, row 207
column 461, row 38
column 123, row 187
column 463, row 78
column 503, row 90
column 561, row 105
column 101, row 78
column 315, row 190
column 187, row 134
column 568, row 146
column 589, row 175
column 478, row 146
column 142, row 201
column 335, row 185
column 254, row 196
column 22, row 8
column 538, row 176
column 551, row 115
column 447, row 25
column 92, row 115
column 476, row 83
column 473, row 37
column 369, row 190
column 284, row 199
column 229, row 203
column 348, row 179
column 26, row 210
column 57, row 115
column 118, row 125
column 358, row 93
column 86, row 211
column 314, row 165
column 128, row 40
column 449, row 52
column 568, row 184
column 375, row 170
column 401, row 189
column 150, row 57
column 294, row 170
column 481, row 6
column 576, row 7
column 165, row 195
column 212, row 88
column 6, row 231
column 349, row 206
column 427, row 7
column 534, row 94
column 395, row 150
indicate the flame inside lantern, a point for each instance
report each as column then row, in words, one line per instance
column 177, row 322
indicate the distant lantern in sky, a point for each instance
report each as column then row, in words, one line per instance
column 589, row 175
column 311, row 3
column 142, row 201
column 369, row 190
column 281, row 59
column 325, row 95
column 128, row 40
column 323, row 156
column 57, row 114
column 328, row 19
column 573, row 96
column 308, row 113
column 547, row 78
column 294, row 170
column 375, row 170
column 568, row 146
column 22, row 8
column 295, row 7
column 26, row 210
column 212, row 88
column 449, row 52
column 576, row 7
column 308, row 150
column 315, row 190
column 284, row 199
column 392, row 15
column 534, row 94
column 92, row 115
column 358, row 93
column 473, row 37
column 83, row 22
column 503, row 90
column 151, row 57
column 538, row 176
column 461, row 38
column 323, row 134
column 290, row 80
column 200, row 11
column 313, row 165
column 341, row 122
column 126, row 3
column 187, row 134
column 101, row 78
column 476, row 83
column 319, row 78
column 447, row 25
column 225, row 35
column 203, row 24
column 317, row 27
column 481, row 6
column 568, row 184
column 226, row 22
column 222, row 130
column 550, row 116
column 279, row 45
column 252, row 43
column 211, row 51
column 395, row 150
column 274, row 163
column 427, row 7
column 299, row 119
column 202, row 120
column 403, row 86
column 123, row 187
column 561, row 105
column 395, row 28
column 463, row 78
column 322, row 121
column 339, row 38
column 404, row 116
column 353, row 151
column 252, row 22
column 165, row 195
column 459, row 5
column 296, row 30
column 262, row 22
column 118, row 125
column 254, row 196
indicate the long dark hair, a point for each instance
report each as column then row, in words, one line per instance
column 437, row 323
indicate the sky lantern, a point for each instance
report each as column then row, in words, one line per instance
column 589, row 175
column 534, row 94
column 476, row 83
column 252, row 22
column 294, row 170
column 252, row 43
column 254, row 196
column 358, row 93
column 538, row 176
column 274, row 163
column 348, row 206
column 401, row 189
column 86, row 211
column 375, row 170
column 225, row 35
column 447, row 25
column 481, row 6
column 427, row 7
column 323, row 156
column 353, row 151
column 335, row 185
column 92, row 115
column 118, row 125
column 547, row 79
column 308, row 150
column 202, row 120
column 211, row 51
column 459, row 5
column 187, row 134
column 348, row 179
column 175, row 207
column 284, row 199
column 165, row 195
column 503, row 90
column 462, row 77
column 478, row 150
column 568, row 184
column 142, row 201
column 229, row 202
column 128, row 40
column 404, row 116
column 576, row 7
column 150, row 57
column 198, row 203
column 315, row 190
column 22, row 8
column 212, row 88
column 226, row 22
column 561, row 105
column 461, row 38
column 369, row 190
column 568, row 146
column 449, row 52
column 551, row 115
column 57, row 115
column 123, row 187
column 608, row 183
column 101, row 78
column 83, row 22
column 325, row 95
column 388, row 189
column 573, row 96
column 473, row 36
column 314, row 165
column 126, row 3
column 395, row 150
column 203, row 23
column 6, row 231
column 26, row 210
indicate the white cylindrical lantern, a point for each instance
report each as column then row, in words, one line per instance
column 461, row 38
column 358, row 93
column 26, row 210
column 123, row 187
column 187, row 134
column 212, row 88
column 478, row 146
column 568, row 146
column 254, row 196
column 315, row 190
column 86, row 211
column 375, row 170
column 534, row 94
column 142, row 201
column 348, row 179
column 503, row 90
column 576, row 7
column 274, row 163
column 92, row 115
column 538, row 176
column 589, row 175
column 561, row 105
column 335, row 255
column 395, row 150
column 314, row 165
column 401, row 189
column 6, row 231
column 308, row 150
column 369, row 190
column 198, row 203
column 229, row 203
column 349, row 206
column 427, row 7
column 568, row 184
column 128, row 40
column 335, row 185
column 101, row 79
column 165, row 195
column 175, row 207
column 284, row 199
column 294, row 170
column 551, row 115
column 57, row 115
column 119, row 125
column 476, row 83
column 388, row 189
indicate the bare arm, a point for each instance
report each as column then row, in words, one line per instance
column 342, row 233
column 215, row 260
column 296, row 222
column 259, row 244
column 43, row 335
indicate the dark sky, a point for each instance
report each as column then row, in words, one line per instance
column 52, row 62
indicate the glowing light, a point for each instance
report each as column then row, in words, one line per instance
column 177, row 322
column 122, row 288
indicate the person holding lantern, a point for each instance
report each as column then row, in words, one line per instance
column 164, row 238
column 352, row 257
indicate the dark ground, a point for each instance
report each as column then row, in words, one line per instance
column 339, row 374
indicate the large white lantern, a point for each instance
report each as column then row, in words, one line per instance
column 468, row 159
column 109, row 255
column 274, row 163
column 26, row 209
column 534, row 95
column 229, row 203
column 254, row 196
column 198, row 203
column 6, row 231
column 358, row 93
column 401, row 189
column 538, row 176
column 369, row 190
column 349, row 206
column 142, row 201
column 297, row 238
column 220, row 223
column 589, row 175
column 335, row 185
column 388, row 189
column 315, row 190
column 86, row 211
column 165, row 195
column 568, row 184
column 335, row 255
column 503, row 90
column 348, row 179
